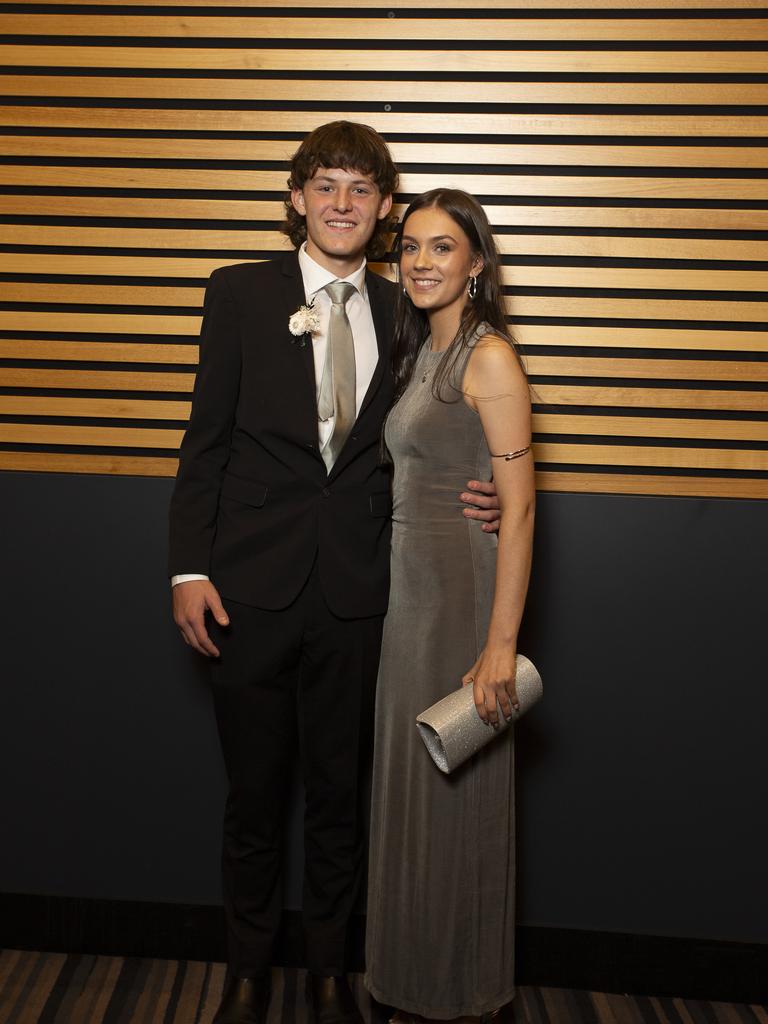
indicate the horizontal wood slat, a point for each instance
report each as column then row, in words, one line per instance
column 561, row 423
column 107, row 437
column 642, row 337
column 695, row 486
column 595, row 483
column 629, row 338
column 550, row 394
column 682, row 486
column 112, row 265
column 286, row 90
column 646, row 218
column 686, row 62
column 685, row 29
column 529, row 335
column 603, row 425
column 576, row 454
column 520, row 276
column 651, row 426
column 488, row 184
column 387, row 123
column 146, row 238
column 95, row 408
column 97, row 351
column 651, row 398
column 447, row 4
column 188, row 326
column 523, row 305
column 516, row 276
column 637, row 309
column 56, row 462
column 636, row 277
column 96, row 380
column 100, row 323
column 653, row 369
column 108, row 294
column 574, row 154
column 593, row 246
column 608, row 247
column 674, row 458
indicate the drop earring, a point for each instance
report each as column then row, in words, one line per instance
column 472, row 287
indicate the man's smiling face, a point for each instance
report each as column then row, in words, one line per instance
column 341, row 208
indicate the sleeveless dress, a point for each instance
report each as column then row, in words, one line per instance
column 440, row 933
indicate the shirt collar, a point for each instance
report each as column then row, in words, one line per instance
column 316, row 277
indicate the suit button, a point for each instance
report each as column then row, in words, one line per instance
column 325, row 492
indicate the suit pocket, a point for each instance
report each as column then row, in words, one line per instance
column 381, row 504
column 248, row 492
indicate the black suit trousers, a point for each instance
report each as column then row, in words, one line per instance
column 296, row 680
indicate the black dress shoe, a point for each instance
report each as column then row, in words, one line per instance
column 331, row 1001
column 244, row 1001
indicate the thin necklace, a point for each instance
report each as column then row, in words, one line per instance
column 429, row 370
column 432, row 352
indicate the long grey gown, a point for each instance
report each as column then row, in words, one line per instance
column 440, row 938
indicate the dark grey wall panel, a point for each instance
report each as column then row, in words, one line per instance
column 107, row 731
column 642, row 777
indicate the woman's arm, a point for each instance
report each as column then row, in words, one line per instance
column 496, row 388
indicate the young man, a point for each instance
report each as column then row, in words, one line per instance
column 281, row 508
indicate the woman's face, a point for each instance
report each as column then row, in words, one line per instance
column 436, row 261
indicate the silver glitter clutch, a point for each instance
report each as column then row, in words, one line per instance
column 452, row 729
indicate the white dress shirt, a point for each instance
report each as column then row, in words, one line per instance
column 358, row 309
column 360, row 320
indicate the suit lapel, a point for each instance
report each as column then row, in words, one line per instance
column 380, row 301
column 381, row 312
column 293, row 297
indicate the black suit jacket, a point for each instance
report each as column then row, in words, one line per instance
column 253, row 505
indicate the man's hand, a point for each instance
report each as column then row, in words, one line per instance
column 191, row 600
column 483, row 495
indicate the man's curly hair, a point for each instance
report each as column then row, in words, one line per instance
column 352, row 147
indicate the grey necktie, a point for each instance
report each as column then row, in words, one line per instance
column 337, row 386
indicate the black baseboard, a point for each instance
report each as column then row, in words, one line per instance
column 556, row 957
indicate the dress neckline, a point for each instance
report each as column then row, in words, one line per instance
column 481, row 329
column 428, row 347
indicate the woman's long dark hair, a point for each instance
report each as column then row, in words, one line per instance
column 412, row 325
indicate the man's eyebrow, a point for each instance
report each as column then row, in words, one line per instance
column 355, row 181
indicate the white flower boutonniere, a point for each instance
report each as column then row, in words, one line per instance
column 306, row 320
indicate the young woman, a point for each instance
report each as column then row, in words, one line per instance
column 440, row 940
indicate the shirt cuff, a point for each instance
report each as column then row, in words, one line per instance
column 186, row 577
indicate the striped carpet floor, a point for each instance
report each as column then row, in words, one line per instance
column 54, row 988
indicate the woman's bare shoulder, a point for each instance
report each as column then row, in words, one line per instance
column 494, row 367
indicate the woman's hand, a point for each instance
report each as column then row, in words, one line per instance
column 493, row 679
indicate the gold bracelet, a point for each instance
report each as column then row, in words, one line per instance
column 508, row 456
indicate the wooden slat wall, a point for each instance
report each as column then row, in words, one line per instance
column 619, row 148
